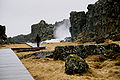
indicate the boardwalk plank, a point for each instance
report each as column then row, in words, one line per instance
column 16, row 77
column 33, row 45
column 11, row 68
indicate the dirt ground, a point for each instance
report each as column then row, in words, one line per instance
column 49, row 69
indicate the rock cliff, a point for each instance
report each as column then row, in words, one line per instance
column 44, row 30
column 19, row 39
column 3, row 36
column 78, row 20
column 101, row 21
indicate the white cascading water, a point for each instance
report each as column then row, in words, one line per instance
column 61, row 31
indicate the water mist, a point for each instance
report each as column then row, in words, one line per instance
column 61, row 31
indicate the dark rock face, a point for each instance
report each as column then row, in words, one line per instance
column 102, row 19
column 113, row 53
column 44, row 30
column 61, row 52
column 113, row 47
column 86, row 37
column 19, row 39
column 3, row 36
column 78, row 21
column 75, row 64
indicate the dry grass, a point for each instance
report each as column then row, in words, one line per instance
column 13, row 46
column 49, row 69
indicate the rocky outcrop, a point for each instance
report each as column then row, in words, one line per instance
column 115, row 37
column 78, row 21
column 61, row 52
column 113, row 47
column 102, row 20
column 3, row 36
column 68, row 39
column 19, row 39
column 44, row 30
column 59, row 30
column 75, row 64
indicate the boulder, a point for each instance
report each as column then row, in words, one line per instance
column 113, row 51
column 75, row 64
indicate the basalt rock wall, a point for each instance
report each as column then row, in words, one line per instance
column 61, row 52
column 101, row 21
column 18, row 39
column 3, row 36
column 44, row 30
column 78, row 21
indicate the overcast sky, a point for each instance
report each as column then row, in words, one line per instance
column 19, row 15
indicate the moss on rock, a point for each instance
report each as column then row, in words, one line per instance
column 75, row 64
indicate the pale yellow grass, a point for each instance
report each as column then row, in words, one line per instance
column 49, row 69
column 13, row 46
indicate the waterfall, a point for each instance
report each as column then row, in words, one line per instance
column 61, row 31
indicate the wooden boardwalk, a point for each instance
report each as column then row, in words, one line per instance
column 11, row 68
column 34, row 45
column 31, row 45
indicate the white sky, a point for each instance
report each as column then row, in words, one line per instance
column 19, row 15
